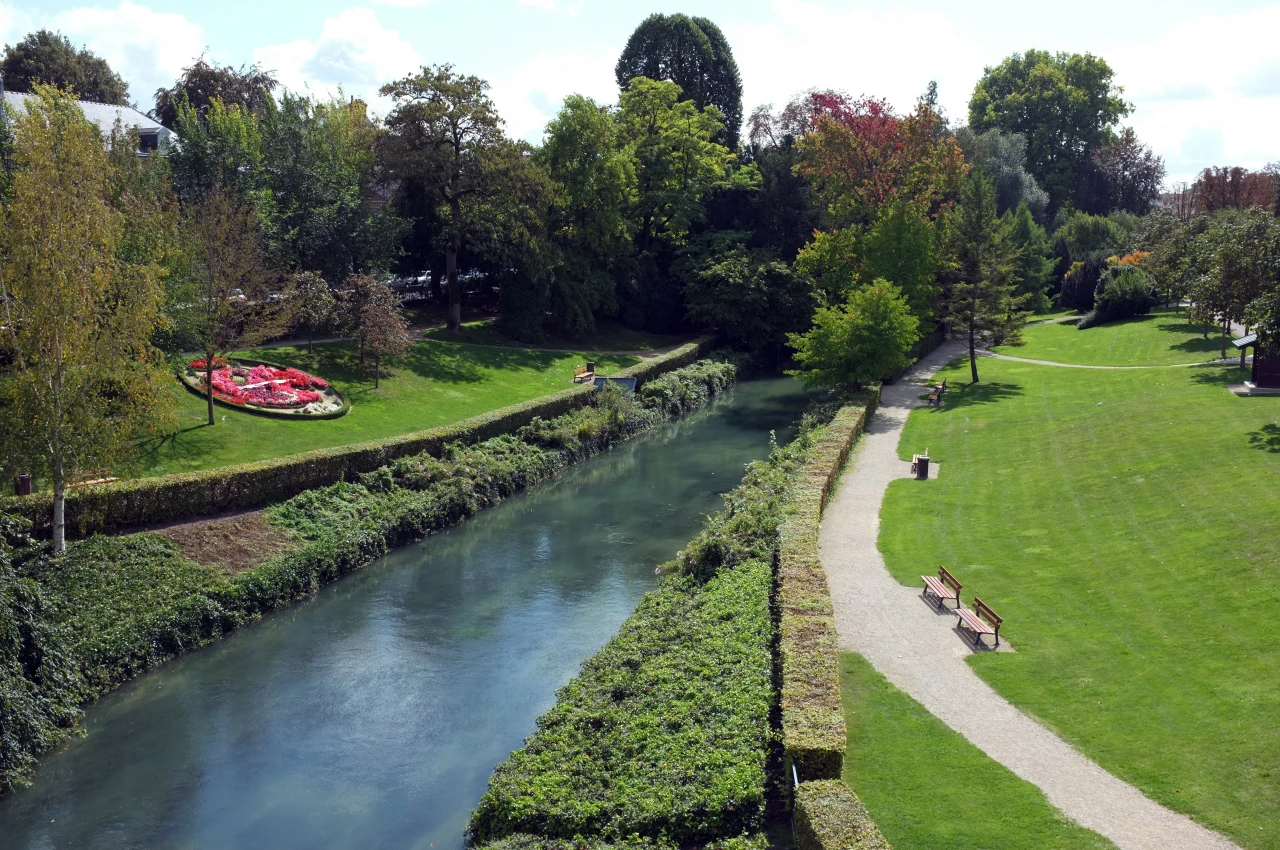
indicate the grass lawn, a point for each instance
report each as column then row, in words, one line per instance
column 609, row 336
column 435, row 384
column 1125, row 525
column 926, row 787
column 1160, row 339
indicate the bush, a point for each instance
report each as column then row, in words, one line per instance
column 120, row 605
column 829, row 816
column 147, row 501
column 1123, row 292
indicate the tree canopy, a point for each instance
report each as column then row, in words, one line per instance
column 204, row 82
column 50, row 58
column 692, row 53
column 1065, row 104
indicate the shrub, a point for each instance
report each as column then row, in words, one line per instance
column 1124, row 291
column 829, row 816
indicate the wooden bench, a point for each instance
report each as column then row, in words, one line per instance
column 915, row 464
column 944, row 587
column 583, row 373
column 980, row 621
column 935, row 399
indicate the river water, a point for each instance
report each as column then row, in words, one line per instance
column 371, row 715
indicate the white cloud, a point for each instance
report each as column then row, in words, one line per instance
column 530, row 95
column 14, row 24
column 353, row 51
column 148, row 48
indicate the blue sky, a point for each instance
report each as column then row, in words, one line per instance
column 1205, row 78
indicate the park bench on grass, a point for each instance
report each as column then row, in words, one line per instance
column 93, row 476
column 944, row 587
column 980, row 621
column 938, row 391
column 584, row 373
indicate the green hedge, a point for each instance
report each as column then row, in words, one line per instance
column 829, row 816
column 115, row 606
column 813, row 731
column 147, row 501
column 668, row 734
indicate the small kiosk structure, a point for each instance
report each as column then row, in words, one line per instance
column 1266, row 366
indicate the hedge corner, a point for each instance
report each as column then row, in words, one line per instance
column 829, row 816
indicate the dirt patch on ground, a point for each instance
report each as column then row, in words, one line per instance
column 231, row 543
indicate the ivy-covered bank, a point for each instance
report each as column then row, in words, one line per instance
column 73, row 627
column 671, row 734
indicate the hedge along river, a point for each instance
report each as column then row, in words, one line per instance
column 371, row 715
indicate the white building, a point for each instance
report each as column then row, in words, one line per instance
column 152, row 135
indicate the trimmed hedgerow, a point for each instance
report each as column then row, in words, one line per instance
column 667, row 733
column 115, row 606
column 829, row 816
column 146, row 501
column 522, row 841
column 813, row 730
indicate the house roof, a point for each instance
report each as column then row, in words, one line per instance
column 104, row 115
column 1245, row 341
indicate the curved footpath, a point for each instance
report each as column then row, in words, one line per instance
column 1228, row 362
column 920, row 652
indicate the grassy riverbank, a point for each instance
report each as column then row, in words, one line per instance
column 436, row 383
column 1123, row 524
column 115, row 606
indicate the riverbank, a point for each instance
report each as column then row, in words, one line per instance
column 116, row 606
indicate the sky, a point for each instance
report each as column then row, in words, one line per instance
column 1204, row 78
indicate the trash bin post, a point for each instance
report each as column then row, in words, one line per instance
column 922, row 467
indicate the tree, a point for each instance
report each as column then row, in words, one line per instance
column 867, row 339
column 1003, row 157
column 1033, row 257
column 594, row 179
column 984, row 305
column 202, row 83
column 50, row 58
column 315, row 303
column 694, row 54
column 234, row 298
column 755, row 300
column 445, row 136
column 860, row 157
column 1243, row 265
column 382, row 327
column 221, row 149
column 77, row 322
column 1126, row 176
column 900, row 248
column 317, row 164
column 1238, row 188
column 1064, row 104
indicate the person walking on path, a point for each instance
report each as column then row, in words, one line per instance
column 917, row 650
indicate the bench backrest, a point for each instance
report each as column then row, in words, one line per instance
column 581, row 370
column 983, row 610
column 949, row 580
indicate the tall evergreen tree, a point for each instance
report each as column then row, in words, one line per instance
column 692, row 53
column 1033, row 259
column 984, row 305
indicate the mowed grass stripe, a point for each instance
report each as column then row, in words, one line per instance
column 926, row 787
column 1163, row 338
column 1127, row 527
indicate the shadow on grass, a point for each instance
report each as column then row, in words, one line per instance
column 1220, row 376
column 967, row 395
column 172, row 446
column 1266, row 438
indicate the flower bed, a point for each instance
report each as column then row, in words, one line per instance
column 264, row 388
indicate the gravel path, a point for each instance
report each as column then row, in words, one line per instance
column 921, row 653
column 1229, row 361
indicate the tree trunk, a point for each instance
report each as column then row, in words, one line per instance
column 451, row 271
column 377, row 369
column 208, row 383
column 1226, row 323
column 973, row 355
column 1242, row 351
column 59, row 512
column 311, row 348
column 362, row 350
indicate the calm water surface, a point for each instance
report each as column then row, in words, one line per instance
column 372, row 715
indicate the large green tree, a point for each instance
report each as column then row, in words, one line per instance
column 984, row 306
column 692, row 53
column 1065, row 104
column 1033, row 257
column 204, row 82
column 445, row 140
column 754, row 300
column 864, row 340
column 50, row 58
column 594, row 180
column 77, row 321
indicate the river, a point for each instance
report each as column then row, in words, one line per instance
column 371, row 715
